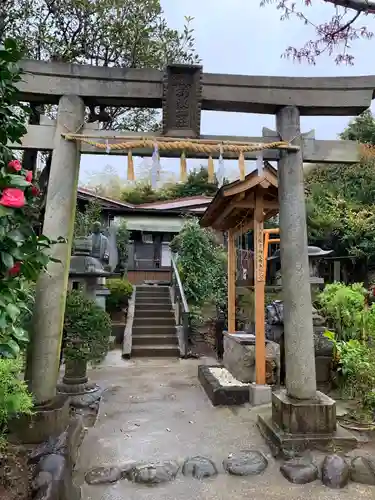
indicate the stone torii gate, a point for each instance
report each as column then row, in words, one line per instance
column 182, row 92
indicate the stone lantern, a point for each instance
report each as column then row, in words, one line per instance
column 314, row 254
column 86, row 273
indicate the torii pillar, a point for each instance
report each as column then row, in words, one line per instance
column 301, row 415
column 52, row 286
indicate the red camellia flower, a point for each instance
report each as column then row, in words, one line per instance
column 29, row 176
column 13, row 271
column 35, row 191
column 15, row 165
column 12, row 198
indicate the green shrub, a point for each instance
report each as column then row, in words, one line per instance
column 122, row 239
column 344, row 307
column 356, row 369
column 14, row 396
column 121, row 290
column 202, row 264
column 87, row 328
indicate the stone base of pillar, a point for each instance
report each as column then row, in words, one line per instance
column 295, row 425
column 77, row 389
column 47, row 421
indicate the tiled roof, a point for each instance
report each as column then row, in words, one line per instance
column 188, row 202
column 91, row 194
column 197, row 204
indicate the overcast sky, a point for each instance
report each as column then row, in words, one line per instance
column 239, row 37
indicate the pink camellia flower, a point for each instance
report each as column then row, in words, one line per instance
column 13, row 198
column 13, row 271
column 15, row 165
column 29, row 176
column 35, row 191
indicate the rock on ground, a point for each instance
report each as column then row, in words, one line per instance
column 299, row 471
column 103, row 475
column 245, row 463
column 335, row 472
column 363, row 470
column 199, row 467
column 154, row 473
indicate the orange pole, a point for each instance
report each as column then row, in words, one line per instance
column 259, row 288
column 231, row 282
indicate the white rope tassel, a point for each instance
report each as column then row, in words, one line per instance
column 107, row 147
column 155, row 168
column 260, row 163
column 221, row 168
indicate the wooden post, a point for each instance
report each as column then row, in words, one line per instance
column 231, row 282
column 259, row 288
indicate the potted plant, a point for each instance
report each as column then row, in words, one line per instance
column 87, row 329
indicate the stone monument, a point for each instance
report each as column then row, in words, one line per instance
column 100, row 244
column 102, row 252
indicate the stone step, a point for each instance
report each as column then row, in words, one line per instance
column 153, row 301
column 155, row 292
column 153, row 313
column 153, row 330
column 160, row 306
column 152, row 287
column 155, row 339
column 156, row 351
column 154, row 321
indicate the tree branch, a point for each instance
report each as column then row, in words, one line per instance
column 345, row 26
column 358, row 5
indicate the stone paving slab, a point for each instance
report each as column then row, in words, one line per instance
column 156, row 410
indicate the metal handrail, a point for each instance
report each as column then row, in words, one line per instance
column 181, row 308
column 179, row 284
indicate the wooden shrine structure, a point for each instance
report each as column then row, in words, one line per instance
column 182, row 92
column 237, row 208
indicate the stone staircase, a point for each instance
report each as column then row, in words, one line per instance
column 154, row 325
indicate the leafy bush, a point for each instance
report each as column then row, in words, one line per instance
column 84, row 220
column 87, row 328
column 122, row 239
column 202, row 264
column 14, row 396
column 356, row 369
column 23, row 254
column 196, row 184
column 344, row 307
column 121, row 290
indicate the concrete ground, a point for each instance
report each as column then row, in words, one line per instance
column 157, row 410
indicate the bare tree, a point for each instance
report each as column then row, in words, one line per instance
column 335, row 35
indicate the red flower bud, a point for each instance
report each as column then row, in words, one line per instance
column 29, row 176
column 13, row 198
column 35, row 191
column 15, row 165
column 13, row 271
